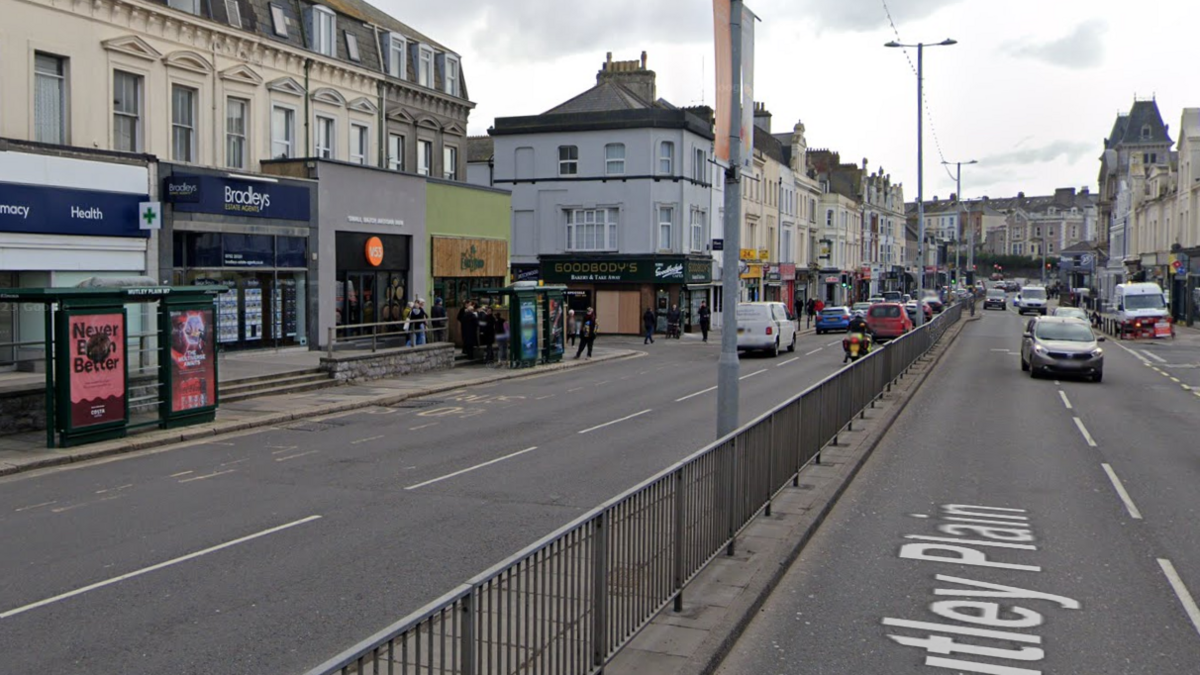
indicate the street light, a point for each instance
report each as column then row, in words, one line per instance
column 971, row 234
column 920, row 167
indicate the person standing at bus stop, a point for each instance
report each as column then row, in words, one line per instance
column 587, row 333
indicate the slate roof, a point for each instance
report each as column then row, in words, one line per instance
column 769, row 145
column 604, row 97
column 480, row 148
column 1145, row 114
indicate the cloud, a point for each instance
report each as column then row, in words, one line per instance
column 1071, row 150
column 853, row 15
column 1082, row 48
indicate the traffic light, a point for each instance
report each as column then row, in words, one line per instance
column 1047, row 265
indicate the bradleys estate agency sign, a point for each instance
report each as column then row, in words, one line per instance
column 629, row 269
column 235, row 197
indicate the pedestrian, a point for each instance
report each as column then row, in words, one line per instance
column 487, row 333
column 468, row 324
column 416, row 320
column 818, row 306
column 587, row 333
column 674, row 322
column 572, row 329
column 705, row 320
column 648, row 324
column 437, row 322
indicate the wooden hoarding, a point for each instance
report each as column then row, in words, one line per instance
column 455, row 257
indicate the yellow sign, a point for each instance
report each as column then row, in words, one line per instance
column 748, row 254
column 753, row 272
column 764, row 254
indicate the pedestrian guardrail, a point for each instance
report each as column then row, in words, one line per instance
column 390, row 333
column 568, row 603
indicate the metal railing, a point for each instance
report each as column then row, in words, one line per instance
column 568, row 603
column 387, row 331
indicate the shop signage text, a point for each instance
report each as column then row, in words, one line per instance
column 233, row 197
column 54, row 210
column 469, row 257
column 374, row 251
column 675, row 270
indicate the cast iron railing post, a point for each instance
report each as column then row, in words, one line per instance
column 679, row 543
column 600, row 590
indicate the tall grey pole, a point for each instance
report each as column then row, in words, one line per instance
column 970, row 232
column 957, row 225
column 920, row 192
column 727, row 366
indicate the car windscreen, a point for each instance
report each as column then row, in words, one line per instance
column 885, row 312
column 1063, row 332
column 1034, row 293
column 1150, row 301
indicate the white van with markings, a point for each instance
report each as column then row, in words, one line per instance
column 1031, row 299
column 1140, row 307
column 765, row 326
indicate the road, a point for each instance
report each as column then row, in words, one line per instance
column 1007, row 525
column 271, row 551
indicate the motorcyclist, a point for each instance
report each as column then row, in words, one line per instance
column 858, row 324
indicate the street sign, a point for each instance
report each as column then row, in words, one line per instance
column 150, row 215
column 718, row 244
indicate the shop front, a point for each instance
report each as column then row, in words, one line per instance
column 463, row 269
column 252, row 235
column 64, row 219
column 621, row 288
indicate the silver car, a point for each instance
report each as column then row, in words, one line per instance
column 1062, row 345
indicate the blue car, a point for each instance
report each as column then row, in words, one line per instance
column 833, row 318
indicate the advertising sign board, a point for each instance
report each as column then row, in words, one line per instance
column 97, row 369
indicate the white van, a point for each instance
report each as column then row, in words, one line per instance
column 1140, row 305
column 1031, row 299
column 765, row 326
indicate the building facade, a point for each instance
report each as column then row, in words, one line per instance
column 611, row 196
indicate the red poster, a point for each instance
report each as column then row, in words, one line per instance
column 193, row 379
column 97, row 365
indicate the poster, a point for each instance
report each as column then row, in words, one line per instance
column 97, row 368
column 193, row 380
column 529, row 337
column 556, row 326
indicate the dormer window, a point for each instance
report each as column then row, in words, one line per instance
column 451, row 83
column 324, row 23
column 189, row 6
column 352, row 47
column 425, row 67
column 278, row 21
column 1146, row 132
column 397, row 50
column 234, row 12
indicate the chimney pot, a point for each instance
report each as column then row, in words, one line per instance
column 643, row 60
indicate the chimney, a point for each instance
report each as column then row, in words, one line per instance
column 633, row 75
column 1064, row 197
column 1085, row 191
column 762, row 118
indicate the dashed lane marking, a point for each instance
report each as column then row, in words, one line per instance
column 471, row 468
column 1066, row 401
column 757, row 372
column 207, row 475
column 116, row 489
column 791, row 360
column 181, row 473
column 302, row 454
column 1083, row 430
column 423, row 426
column 702, row 391
column 1181, row 591
column 1120, row 488
column 34, row 506
column 616, row 421
column 1154, row 356
column 814, row 351
column 366, row 440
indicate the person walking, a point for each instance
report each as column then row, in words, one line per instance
column 674, row 322
column 437, row 321
column 587, row 333
column 648, row 321
column 705, row 320
column 572, row 329
column 468, row 323
column 416, row 321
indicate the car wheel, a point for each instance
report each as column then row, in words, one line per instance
column 792, row 347
column 774, row 351
column 820, row 332
column 1024, row 364
column 1098, row 377
column 1033, row 372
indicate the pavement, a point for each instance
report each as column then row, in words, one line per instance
column 273, row 548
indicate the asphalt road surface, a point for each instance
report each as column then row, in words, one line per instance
column 1007, row 525
column 271, row 551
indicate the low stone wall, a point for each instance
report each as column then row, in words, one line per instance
column 25, row 409
column 359, row 366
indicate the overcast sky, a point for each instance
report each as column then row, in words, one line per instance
column 1030, row 91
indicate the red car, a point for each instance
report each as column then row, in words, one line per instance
column 888, row 320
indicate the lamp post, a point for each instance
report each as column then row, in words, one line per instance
column 920, row 166
column 971, row 232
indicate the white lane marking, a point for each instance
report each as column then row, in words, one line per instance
column 1154, row 356
column 116, row 489
column 1066, row 401
column 1175, row 380
column 207, row 475
column 1120, row 488
column 963, row 630
column 814, row 351
column 1083, row 430
column 302, row 454
column 606, row 424
column 1057, row 383
column 34, row 506
column 833, row 343
column 702, row 391
column 181, row 473
column 1138, row 354
column 1181, row 591
column 366, row 440
column 471, row 468
column 601, row 383
column 1002, row 350
column 424, row 426
column 236, row 461
column 543, row 398
column 282, row 448
column 791, row 360
column 571, row 391
column 152, row 568
column 757, row 372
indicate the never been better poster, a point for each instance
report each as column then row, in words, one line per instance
column 97, row 368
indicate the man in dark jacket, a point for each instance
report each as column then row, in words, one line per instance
column 468, row 322
column 587, row 333
column 705, row 320
column 648, row 322
column 437, row 314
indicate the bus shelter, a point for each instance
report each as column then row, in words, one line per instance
column 87, row 358
column 537, row 322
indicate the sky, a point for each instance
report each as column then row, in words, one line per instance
column 1030, row 91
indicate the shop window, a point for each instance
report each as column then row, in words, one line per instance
column 291, row 252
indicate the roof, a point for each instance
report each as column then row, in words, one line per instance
column 371, row 14
column 769, row 145
column 480, row 148
column 1143, row 125
column 605, row 96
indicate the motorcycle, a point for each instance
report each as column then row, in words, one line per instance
column 856, row 345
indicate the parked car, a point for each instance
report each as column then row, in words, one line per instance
column 833, row 318
column 1062, row 346
column 1031, row 299
column 911, row 308
column 765, row 326
column 888, row 320
column 893, row 296
column 996, row 297
column 935, row 305
column 1071, row 313
column 875, row 299
column 860, row 308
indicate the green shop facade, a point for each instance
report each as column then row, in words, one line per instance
column 622, row 287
